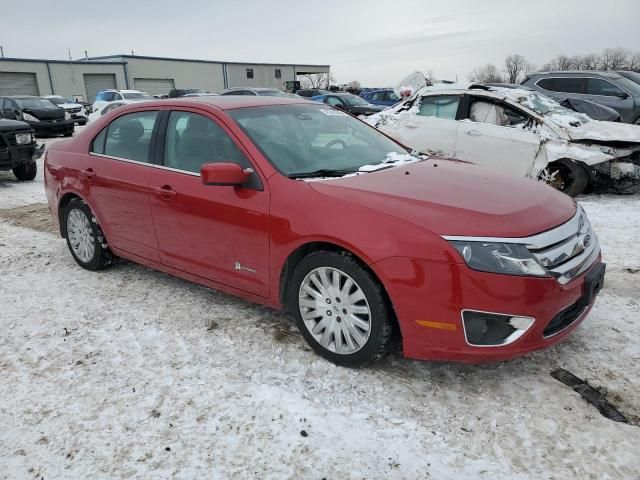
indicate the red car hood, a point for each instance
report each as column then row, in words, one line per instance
column 454, row 198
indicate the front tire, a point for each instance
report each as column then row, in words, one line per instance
column 85, row 239
column 568, row 176
column 341, row 309
column 26, row 172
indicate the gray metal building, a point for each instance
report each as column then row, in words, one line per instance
column 82, row 79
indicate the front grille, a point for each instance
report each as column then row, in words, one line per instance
column 568, row 250
column 565, row 318
column 74, row 110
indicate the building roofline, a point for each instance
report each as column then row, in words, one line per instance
column 41, row 60
column 146, row 57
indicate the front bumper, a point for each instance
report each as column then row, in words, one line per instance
column 429, row 297
column 12, row 155
column 53, row 126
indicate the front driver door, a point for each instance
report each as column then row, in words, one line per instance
column 433, row 127
column 216, row 232
column 497, row 136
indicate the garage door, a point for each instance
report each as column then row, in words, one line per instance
column 18, row 83
column 94, row 82
column 154, row 86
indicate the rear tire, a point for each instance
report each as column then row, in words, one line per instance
column 85, row 239
column 569, row 177
column 341, row 309
column 26, row 172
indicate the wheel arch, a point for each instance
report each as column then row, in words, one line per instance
column 300, row 252
column 65, row 199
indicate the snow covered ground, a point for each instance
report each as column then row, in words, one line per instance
column 131, row 373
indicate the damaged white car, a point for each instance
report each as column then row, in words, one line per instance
column 517, row 131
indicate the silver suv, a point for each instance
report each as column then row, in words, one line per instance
column 606, row 88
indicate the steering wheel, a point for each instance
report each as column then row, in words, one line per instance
column 335, row 142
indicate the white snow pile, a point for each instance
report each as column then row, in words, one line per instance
column 393, row 159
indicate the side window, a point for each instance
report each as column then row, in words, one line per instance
column 379, row 96
column 441, row 106
column 249, row 72
column 193, row 140
column 598, row 86
column 334, row 101
column 494, row 114
column 393, row 97
column 129, row 136
column 97, row 146
column 1, row 105
column 565, row 85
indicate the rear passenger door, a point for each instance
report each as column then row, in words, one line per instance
column 433, row 127
column 117, row 180
column 216, row 232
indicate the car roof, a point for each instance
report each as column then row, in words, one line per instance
column 223, row 102
column 21, row 96
column 585, row 73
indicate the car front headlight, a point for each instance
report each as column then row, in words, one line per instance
column 27, row 117
column 67, row 116
column 504, row 258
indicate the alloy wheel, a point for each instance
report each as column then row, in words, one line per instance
column 335, row 310
column 80, row 235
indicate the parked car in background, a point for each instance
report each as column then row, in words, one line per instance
column 520, row 132
column 349, row 103
column 107, row 96
column 606, row 88
column 595, row 111
column 311, row 92
column 181, row 92
column 251, row 91
column 200, row 94
column 633, row 76
column 76, row 110
column 18, row 149
column 316, row 213
column 383, row 96
column 93, row 116
column 44, row 116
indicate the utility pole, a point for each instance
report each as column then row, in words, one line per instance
column 86, row 55
column 69, row 53
column 1, row 51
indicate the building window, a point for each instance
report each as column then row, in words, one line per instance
column 278, row 73
column 249, row 72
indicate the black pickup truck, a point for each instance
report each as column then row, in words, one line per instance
column 18, row 149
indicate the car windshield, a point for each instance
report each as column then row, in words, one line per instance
column 301, row 139
column 548, row 107
column 272, row 93
column 36, row 103
column 136, row 96
column 353, row 100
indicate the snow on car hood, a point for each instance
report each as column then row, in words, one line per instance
column 606, row 132
column 455, row 198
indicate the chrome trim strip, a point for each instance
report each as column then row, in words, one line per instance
column 508, row 341
column 534, row 242
column 93, row 154
column 186, row 172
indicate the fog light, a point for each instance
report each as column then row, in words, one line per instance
column 484, row 329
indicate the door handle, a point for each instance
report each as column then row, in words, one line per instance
column 473, row 133
column 88, row 172
column 164, row 191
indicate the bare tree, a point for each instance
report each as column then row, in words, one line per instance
column 615, row 58
column 514, row 67
column 486, row 74
column 634, row 62
column 316, row 80
column 355, row 84
column 565, row 63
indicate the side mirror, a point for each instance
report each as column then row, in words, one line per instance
column 622, row 95
column 339, row 106
column 224, row 174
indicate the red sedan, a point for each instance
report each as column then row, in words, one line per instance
column 301, row 207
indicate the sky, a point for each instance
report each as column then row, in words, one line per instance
column 377, row 42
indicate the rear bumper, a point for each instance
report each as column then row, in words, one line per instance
column 429, row 297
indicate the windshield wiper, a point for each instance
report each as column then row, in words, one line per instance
column 324, row 172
